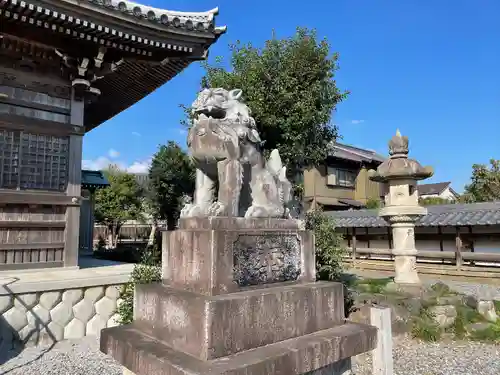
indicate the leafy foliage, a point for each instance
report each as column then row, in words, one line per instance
column 289, row 86
column 425, row 327
column 117, row 203
column 375, row 286
column 329, row 253
column 485, row 183
column 171, row 177
column 329, row 249
column 146, row 272
column 432, row 201
column 488, row 334
column 373, row 203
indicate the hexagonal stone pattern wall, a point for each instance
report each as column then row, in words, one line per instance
column 35, row 318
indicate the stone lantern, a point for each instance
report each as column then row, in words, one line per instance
column 401, row 210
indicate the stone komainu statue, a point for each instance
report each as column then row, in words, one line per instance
column 226, row 148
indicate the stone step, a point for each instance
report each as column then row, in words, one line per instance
column 209, row 327
column 323, row 350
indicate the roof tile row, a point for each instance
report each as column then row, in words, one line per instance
column 439, row 215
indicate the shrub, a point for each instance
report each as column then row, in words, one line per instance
column 373, row 203
column 146, row 272
column 329, row 253
column 329, row 249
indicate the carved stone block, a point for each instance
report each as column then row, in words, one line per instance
column 223, row 255
column 266, row 258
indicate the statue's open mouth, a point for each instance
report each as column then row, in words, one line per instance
column 214, row 112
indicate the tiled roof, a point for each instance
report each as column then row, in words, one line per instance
column 93, row 179
column 438, row 215
column 346, row 152
column 190, row 21
column 431, row 189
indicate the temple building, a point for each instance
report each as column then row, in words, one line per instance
column 65, row 68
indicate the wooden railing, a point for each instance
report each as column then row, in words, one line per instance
column 456, row 258
column 129, row 233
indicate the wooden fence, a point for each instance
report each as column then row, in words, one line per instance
column 129, row 233
column 457, row 247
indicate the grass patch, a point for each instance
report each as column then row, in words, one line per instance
column 490, row 334
column 465, row 316
column 425, row 328
column 375, row 286
column 497, row 305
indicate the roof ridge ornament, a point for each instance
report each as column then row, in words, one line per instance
column 398, row 146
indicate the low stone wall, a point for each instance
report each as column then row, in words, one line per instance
column 45, row 312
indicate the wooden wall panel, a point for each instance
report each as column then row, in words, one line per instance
column 31, row 235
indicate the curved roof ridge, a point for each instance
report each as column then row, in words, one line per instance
column 192, row 21
column 209, row 14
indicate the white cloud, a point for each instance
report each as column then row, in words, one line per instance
column 100, row 163
column 136, row 134
column 103, row 162
column 356, row 122
column 113, row 154
column 139, row 167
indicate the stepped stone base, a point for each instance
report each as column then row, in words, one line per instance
column 238, row 297
column 316, row 353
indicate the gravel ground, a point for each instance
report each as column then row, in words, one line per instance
column 444, row 358
column 82, row 357
column 79, row 357
column 482, row 291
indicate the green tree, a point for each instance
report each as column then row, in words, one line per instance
column 485, row 183
column 289, row 86
column 171, row 178
column 432, row 201
column 117, row 203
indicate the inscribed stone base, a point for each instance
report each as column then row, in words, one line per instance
column 209, row 327
column 238, row 297
column 342, row 367
column 220, row 255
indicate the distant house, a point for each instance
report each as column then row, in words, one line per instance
column 441, row 190
column 142, row 178
column 341, row 182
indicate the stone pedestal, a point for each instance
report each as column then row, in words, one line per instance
column 404, row 251
column 238, row 297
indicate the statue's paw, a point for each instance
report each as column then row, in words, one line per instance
column 217, row 209
column 256, row 211
column 263, row 211
column 186, row 210
column 194, row 210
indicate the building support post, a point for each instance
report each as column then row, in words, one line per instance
column 71, row 236
column 458, row 251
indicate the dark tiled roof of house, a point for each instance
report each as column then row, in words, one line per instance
column 431, row 189
column 439, row 215
column 93, row 179
column 346, row 152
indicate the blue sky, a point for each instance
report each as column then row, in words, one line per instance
column 429, row 68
